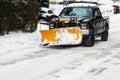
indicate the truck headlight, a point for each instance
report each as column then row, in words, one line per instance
column 84, row 26
column 51, row 25
column 56, row 19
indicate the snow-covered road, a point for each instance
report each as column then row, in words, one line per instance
column 21, row 58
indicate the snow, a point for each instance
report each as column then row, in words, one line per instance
column 21, row 58
column 41, row 27
column 68, row 38
column 56, row 8
column 81, row 4
column 106, row 10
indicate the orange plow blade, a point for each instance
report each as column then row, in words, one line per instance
column 61, row 36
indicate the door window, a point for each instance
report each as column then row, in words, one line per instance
column 97, row 12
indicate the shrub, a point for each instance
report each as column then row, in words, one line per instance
column 17, row 14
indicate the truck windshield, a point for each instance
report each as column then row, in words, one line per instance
column 77, row 11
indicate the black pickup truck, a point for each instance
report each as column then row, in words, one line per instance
column 90, row 20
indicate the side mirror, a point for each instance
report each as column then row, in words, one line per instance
column 55, row 16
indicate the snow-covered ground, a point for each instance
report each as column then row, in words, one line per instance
column 21, row 58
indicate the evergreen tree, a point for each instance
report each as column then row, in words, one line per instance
column 17, row 14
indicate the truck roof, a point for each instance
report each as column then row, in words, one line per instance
column 82, row 5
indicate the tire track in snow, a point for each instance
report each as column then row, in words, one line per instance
column 74, row 72
column 24, row 54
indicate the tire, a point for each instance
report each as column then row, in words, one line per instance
column 89, row 41
column 104, row 36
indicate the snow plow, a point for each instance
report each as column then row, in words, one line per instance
column 61, row 36
column 76, row 24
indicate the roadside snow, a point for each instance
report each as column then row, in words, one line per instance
column 15, row 46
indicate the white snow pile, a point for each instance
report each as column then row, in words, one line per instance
column 16, row 45
column 17, row 40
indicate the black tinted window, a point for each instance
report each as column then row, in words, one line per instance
column 50, row 11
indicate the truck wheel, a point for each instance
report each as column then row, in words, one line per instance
column 104, row 36
column 89, row 41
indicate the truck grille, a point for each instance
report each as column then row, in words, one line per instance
column 62, row 25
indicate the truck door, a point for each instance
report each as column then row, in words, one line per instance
column 98, row 21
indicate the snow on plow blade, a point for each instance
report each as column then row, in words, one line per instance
column 61, row 36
